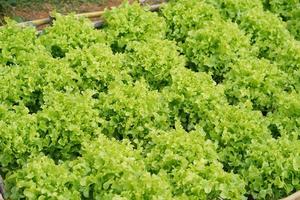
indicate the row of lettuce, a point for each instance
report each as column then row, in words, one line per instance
column 198, row 101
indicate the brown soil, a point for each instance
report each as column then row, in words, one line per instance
column 39, row 11
column 42, row 11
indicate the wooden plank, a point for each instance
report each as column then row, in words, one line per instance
column 295, row 196
column 43, row 21
column 1, row 188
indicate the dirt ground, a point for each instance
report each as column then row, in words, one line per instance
column 33, row 12
column 43, row 10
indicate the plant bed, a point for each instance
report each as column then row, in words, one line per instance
column 197, row 101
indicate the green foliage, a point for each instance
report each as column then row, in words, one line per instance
column 41, row 178
column 293, row 23
column 268, row 33
column 186, row 15
column 286, row 116
column 235, row 129
column 17, row 45
column 18, row 135
column 101, row 173
column 280, row 7
column 96, row 66
column 233, row 9
column 132, row 23
column 19, row 85
column 190, row 99
column 267, row 38
column 215, row 47
column 276, row 160
column 25, row 84
column 288, row 11
column 64, row 121
column 256, row 81
column 145, row 60
column 110, row 169
column 192, row 167
column 131, row 111
column 69, row 33
column 199, row 101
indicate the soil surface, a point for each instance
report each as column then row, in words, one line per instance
column 28, row 12
column 39, row 11
column 42, row 10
